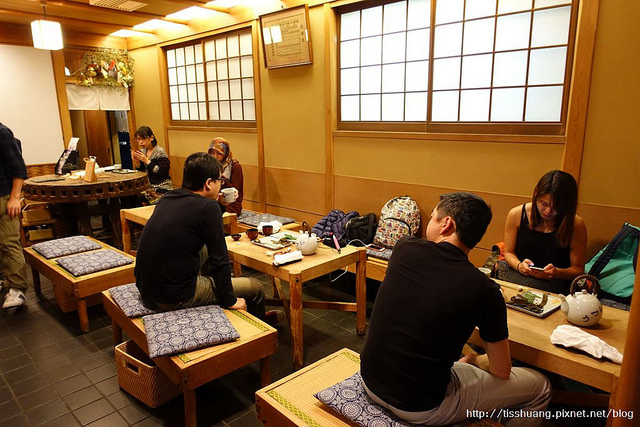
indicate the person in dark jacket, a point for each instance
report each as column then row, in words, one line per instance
column 182, row 258
column 13, row 172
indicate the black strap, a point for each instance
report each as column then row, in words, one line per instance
column 400, row 220
column 611, row 248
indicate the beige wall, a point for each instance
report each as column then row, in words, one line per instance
column 611, row 162
column 147, row 92
column 298, row 148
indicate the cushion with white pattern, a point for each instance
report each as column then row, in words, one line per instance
column 128, row 298
column 349, row 398
column 186, row 330
column 65, row 246
column 93, row 261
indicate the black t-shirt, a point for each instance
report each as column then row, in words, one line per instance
column 168, row 259
column 541, row 248
column 428, row 305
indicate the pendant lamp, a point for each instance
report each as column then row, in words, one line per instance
column 46, row 34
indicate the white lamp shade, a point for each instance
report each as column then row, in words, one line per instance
column 46, row 35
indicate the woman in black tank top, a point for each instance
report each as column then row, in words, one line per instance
column 545, row 241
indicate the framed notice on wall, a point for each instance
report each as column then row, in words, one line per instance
column 285, row 37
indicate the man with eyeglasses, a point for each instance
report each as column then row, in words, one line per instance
column 182, row 256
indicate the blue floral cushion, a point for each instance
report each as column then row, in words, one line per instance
column 91, row 262
column 65, row 246
column 128, row 298
column 383, row 254
column 349, row 398
column 255, row 218
column 185, row 330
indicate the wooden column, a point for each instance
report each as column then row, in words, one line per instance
column 626, row 397
column 580, row 87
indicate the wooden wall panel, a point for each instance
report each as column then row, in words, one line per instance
column 367, row 195
column 41, row 169
column 295, row 190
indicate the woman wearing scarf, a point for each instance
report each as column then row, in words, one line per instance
column 231, row 171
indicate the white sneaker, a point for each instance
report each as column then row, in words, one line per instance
column 14, row 298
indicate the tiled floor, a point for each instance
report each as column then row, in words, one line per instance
column 53, row 375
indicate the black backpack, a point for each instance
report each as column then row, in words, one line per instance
column 361, row 230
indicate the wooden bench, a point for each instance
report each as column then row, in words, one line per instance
column 76, row 293
column 291, row 401
column 257, row 342
column 292, row 226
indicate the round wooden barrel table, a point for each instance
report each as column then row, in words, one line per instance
column 72, row 196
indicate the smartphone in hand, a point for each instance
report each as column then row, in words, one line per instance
column 536, row 268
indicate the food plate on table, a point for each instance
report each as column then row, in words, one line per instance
column 277, row 240
column 531, row 302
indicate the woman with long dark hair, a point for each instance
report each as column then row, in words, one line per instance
column 153, row 160
column 545, row 241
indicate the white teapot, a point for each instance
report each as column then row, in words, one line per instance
column 307, row 242
column 583, row 308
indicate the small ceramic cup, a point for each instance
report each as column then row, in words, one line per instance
column 236, row 236
column 267, row 230
column 485, row 270
column 229, row 194
column 252, row 233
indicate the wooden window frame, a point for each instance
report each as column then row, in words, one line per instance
column 200, row 43
column 429, row 127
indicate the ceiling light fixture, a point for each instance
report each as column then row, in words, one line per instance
column 46, row 34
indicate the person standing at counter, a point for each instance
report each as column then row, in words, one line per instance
column 13, row 172
column 153, row 160
column 231, row 171
column 545, row 241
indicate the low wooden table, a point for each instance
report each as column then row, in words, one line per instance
column 529, row 341
column 72, row 291
column 258, row 341
column 141, row 216
column 324, row 261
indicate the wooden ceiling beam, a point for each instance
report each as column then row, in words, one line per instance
column 202, row 4
column 73, row 21
column 95, row 9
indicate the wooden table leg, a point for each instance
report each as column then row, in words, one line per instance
column 279, row 293
column 114, row 217
column 361, row 292
column 36, row 281
column 190, row 413
column 116, row 332
column 295, row 295
column 265, row 371
column 84, row 219
column 126, row 234
column 83, row 315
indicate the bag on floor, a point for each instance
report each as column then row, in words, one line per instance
column 399, row 217
column 615, row 265
column 361, row 230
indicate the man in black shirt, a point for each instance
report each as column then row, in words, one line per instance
column 12, row 174
column 182, row 258
column 428, row 305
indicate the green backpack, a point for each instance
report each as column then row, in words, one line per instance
column 615, row 265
